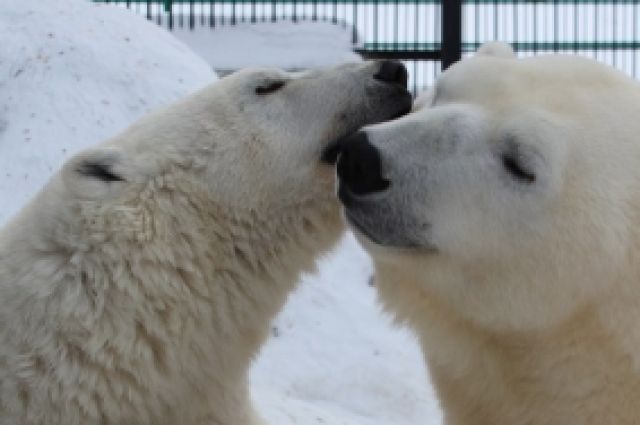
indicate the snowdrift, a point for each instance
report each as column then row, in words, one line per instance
column 73, row 73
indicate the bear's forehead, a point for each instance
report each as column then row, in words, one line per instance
column 542, row 80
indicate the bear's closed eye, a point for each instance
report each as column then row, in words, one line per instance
column 98, row 171
column 269, row 87
column 514, row 165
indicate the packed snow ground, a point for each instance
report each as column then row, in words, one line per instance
column 337, row 358
column 72, row 74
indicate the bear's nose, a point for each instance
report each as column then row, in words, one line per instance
column 359, row 166
column 392, row 72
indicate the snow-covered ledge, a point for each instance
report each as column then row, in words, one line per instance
column 288, row 45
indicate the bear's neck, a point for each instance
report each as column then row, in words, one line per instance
column 177, row 291
column 240, row 264
column 577, row 373
column 583, row 370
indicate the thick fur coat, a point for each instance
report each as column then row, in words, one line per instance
column 139, row 284
column 508, row 238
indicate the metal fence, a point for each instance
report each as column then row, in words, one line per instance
column 604, row 30
column 428, row 34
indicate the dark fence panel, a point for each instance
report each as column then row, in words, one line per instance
column 408, row 30
column 604, row 30
column 424, row 32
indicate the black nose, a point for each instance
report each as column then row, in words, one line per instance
column 359, row 166
column 392, row 72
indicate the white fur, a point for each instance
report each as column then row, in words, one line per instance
column 143, row 301
column 525, row 296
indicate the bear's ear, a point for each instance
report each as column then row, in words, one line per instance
column 95, row 173
column 497, row 49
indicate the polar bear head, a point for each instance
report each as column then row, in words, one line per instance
column 242, row 166
column 512, row 195
column 252, row 144
column 255, row 138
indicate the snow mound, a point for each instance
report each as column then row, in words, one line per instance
column 73, row 73
column 287, row 45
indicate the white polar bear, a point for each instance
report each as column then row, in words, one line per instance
column 504, row 221
column 139, row 284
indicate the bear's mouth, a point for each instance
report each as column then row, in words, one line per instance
column 332, row 151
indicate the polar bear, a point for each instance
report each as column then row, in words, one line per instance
column 139, row 284
column 504, row 222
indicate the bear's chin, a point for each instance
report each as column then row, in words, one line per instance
column 376, row 247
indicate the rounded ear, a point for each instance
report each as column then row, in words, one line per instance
column 497, row 49
column 95, row 173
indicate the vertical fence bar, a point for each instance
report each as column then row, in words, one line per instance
column 405, row 36
column 334, row 11
column 451, row 12
column 556, row 28
column 595, row 25
column 516, row 17
column 575, row 26
column 634, row 63
column 354, row 30
column 437, row 31
column 192, row 17
column 535, row 28
column 396, row 23
column 416, row 23
column 495, row 22
column 476, row 18
column 376, row 35
column 233, row 12
column 613, row 33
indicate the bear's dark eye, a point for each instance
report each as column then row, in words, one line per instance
column 269, row 87
column 513, row 164
column 98, row 171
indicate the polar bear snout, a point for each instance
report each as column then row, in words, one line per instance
column 391, row 88
column 392, row 72
column 370, row 207
column 385, row 97
column 359, row 167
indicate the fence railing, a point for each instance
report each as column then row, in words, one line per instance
column 431, row 34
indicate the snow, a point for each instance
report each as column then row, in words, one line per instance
column 73, row 73
column 286, row 45
column 338, row 359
